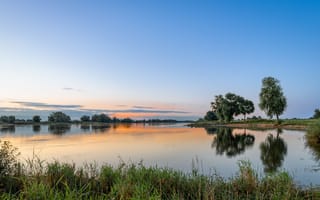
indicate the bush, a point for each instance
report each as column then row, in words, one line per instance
column 8, row 158
column 59, row 117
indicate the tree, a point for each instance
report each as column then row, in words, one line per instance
column 59, row 117
column 210, row 116
column 127, row 120
column 8, row 158
column 246, row 107
column 316, row 114
column 12, row 119
column 230, row 105
column 4, row 119
column 8, row 119
column 85, row 118
column 272, row 100
column 101, row 118
column 36, row 119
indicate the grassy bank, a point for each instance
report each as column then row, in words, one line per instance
column 296, row 124
column 39, row 180
column 313, row 139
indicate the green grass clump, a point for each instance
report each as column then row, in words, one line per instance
column 313, row 133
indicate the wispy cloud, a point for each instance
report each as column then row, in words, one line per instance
column 71, row 89
column 143, row 107
column 122, row 105
column 45, row 105
column 136, row 111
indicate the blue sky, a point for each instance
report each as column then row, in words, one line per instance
column 149, row 59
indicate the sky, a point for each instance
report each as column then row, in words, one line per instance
column 155, row 59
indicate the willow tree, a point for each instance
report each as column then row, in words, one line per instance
column 230, row 105
column 272, row 100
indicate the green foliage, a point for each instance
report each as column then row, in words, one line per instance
column 127, row 120
column 230, row 105
column 59, row 117
column 272, row 100
column 246, row 107
column 36, row 119
column 8, row 158
column 316, row 114
column 313, row 139
column 85, row 118
column 210, row 116
column 101, row 118
column 8, row 119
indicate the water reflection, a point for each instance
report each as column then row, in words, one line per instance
column 101, row 128
column 313, row 143
column 59, row 129
column 273, row 151
column 211, row 130
column 85, row 127
column 231, row 145
column 7, row 129
column 36, row 128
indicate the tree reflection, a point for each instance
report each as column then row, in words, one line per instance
column 231, row 145
column 315, row 149
column 101, row 128
column 211, row 130
column 85, row 127
column 8, row 129
column 313, row 141
column 59, row 129
column 273, row 152
column 36, row 128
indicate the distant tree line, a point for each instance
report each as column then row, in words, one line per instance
column 12, row 119
column 60, row 117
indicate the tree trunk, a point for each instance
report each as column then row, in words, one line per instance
column 277, row 118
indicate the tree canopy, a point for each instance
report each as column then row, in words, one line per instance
column 316, row 114
column 8, row 119
column 85, row 118
column 58, row 117
column 101, row 118
column 272, row 100
column 36, row 119
column 210, row 116
column 230, row 105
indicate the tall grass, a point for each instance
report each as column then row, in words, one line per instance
column 37, row 179
column 135, row 181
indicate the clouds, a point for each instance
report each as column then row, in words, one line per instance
column 155, row 111
column 26, row 109
column 71, row 89
column 38, row 105
column 143, row 107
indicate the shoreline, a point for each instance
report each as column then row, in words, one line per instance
column 298, row 124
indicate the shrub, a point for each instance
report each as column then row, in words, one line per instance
column 8, row 158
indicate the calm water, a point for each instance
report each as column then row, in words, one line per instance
column 174, row 146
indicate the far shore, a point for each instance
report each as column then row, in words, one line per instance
column 93, row 123
column 290, row 124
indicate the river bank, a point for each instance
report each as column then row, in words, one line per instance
column 290, row 124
